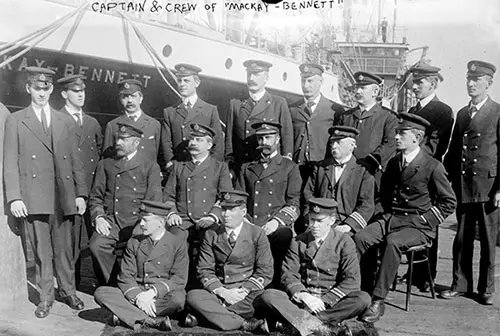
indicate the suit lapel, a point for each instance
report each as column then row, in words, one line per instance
column 145, row 246
column 311, row 247
column 222, row 242
column 201, row 167
column 58, row 126
column 273, row 167
column 125, row 165
column 256, row 167
column 323, row 252
column 159, row 249
column 413, row 166
column 143, row 121
column 242, row 241
column 86, row 128
column 193, row 111
column 483, row 115
column 261, row 105
column 350, row 165
column 34, row 125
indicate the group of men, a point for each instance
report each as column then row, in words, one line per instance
column 263, row 227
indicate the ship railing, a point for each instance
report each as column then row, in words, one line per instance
column 379, row 65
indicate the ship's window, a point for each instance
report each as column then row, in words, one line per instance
column 167, row 50
column 333, row 88
column 229, row 63
column 285, row 76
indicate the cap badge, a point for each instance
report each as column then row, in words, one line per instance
column 143, row 207
column 182, row 69
column 306, row 69
column 253, row 65
column 361, row 77
column 42, row 77
column 196, row 127
column 473, row 67
column 316, row 209
column 126, row 86
column 266, row 126
column 227, row 196
column 123, row 129
column 336, row 132
column 400, row 120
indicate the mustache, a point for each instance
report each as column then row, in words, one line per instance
column 263, row 147
column 192, row 147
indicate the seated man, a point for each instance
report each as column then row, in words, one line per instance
column 235, row 265
column 152, row 277
column 344, row 180
column 193, row 185
column 121, row 183
column 416, row 196
column 273, row 184
column 320, row 275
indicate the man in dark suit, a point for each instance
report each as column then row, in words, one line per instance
column 131, row 98
column 241, row 141
column 153, row 275
column 89, row 141
column 416, row 196
column 193, row 185
column 121, row 183
column 344, row 180
column 191, row 110
column 320, row 275
column 235, row 265
column 273, row 184
column 45, row 186
column 473, row 164
column 311, row 117
column 426, row 80
column 376, row 124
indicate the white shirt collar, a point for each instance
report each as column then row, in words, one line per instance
column 38, row 112
column 409, row 157
column 236, row 231
column 478, row 106
column 346, row 159
column 136, row 114
column 427, row 99
column 369, row 107
column 202, row 159
column 257, row 96
column 315, row 100
column 192, row 99
column 323, row 238
column 131, row 155
column 158, row 238
column 72, row 111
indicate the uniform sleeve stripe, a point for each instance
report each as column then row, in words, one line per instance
column 165, row 284
column 256, row 282
column 279, row 220
column 338, row 292
column 210, row 281
column 290, row 211
column 437, row 213
column 128, row 290
column 358, row 218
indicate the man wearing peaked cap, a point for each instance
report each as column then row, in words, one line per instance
column 314, row 303
column 45, row 186
column 340, row 177
column 89, row 145
column 235, row 265
column 416, row 196
column 273, row 184
column 193, row 186
column 474, row 167
column 190, row 110
column 131, row 97
column 375, row 144
column 153, row 274
column 259, row 105
column 312, row 116
column 426, row 79
column 121, row 183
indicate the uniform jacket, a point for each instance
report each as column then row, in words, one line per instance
column 377, row 131
column 249, row 264
column 241, row 142
column 438, row 134
column 89, row 141
column 310, row 132
column 150, row 142
column 419, row 195
column 120, row 186
column 163, row 266
column 473, row 157
column 32, row 164
column 330, row 271
column 175, row 129
column 194, row 189
column 354, row 191
column 274, row 192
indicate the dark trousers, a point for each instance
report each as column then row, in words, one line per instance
column 113, row 299
column 486, row 216
column 51, row 240
column 277, row 304
column 210, row 308
column 279, row 240
column 103, row 249
column 394, row 243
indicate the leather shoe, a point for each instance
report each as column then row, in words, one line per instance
column 486, row 299
column 43, row 309
column 115, row 321
column 374, row 312
column 161, row 323
column 190, row 321
column 449, row 294
column 74, row 302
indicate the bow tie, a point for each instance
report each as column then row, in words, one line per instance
column 310, row 103
column 340, row 165
column 265, row 160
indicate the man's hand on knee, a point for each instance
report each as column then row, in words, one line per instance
column 102, row 226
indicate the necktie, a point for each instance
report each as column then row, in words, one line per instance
column 232, row 239
column 472, row 110
column 78, row 119
column 404, row 163
column 133, row 117
column 45, row 121
column 340, row 165
column 319, row 243
column 264, row 160
column 196, row 163
column 188, row 104
column 418, row 107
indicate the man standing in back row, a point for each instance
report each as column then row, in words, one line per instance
column 473, row 162
column 241, row 142
column 45, row 187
